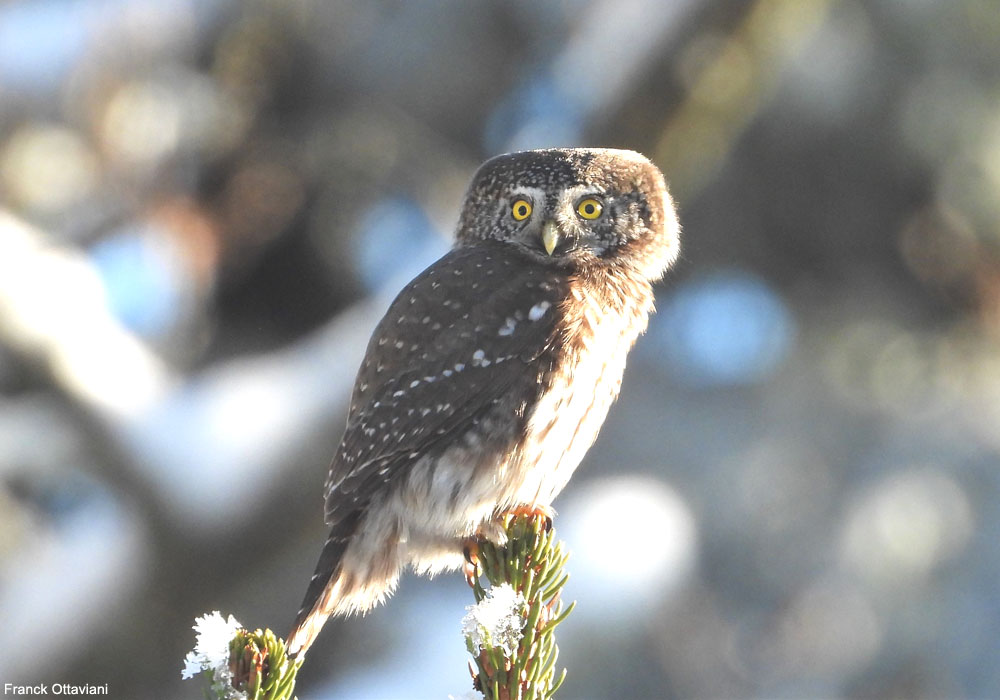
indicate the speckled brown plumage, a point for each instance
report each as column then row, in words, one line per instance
column 491, row 374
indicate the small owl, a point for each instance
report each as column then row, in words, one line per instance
column 489, row 377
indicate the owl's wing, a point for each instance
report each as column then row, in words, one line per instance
column 460, row 337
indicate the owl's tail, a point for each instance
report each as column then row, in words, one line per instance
column 324, row 589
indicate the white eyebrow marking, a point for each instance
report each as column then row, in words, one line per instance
column 569, row 196
column 536, row 194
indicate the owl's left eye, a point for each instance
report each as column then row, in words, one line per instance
column 589, row 208
column 521, row 209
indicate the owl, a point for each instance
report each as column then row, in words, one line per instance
column 490, row 375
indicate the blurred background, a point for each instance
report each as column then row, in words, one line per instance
column 205, row 206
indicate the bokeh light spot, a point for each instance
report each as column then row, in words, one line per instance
column 728, row 327
column 907, row 525
column 142, row 278
column 634, row 539
column 395, row 237
column 141, row 123
column 47, row 167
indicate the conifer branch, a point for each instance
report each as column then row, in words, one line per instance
column 526, row 579
column 510, row 631
column 240, row 664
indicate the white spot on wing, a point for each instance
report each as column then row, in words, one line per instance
column 538, row 310
column 508, row 327
column 479, row 358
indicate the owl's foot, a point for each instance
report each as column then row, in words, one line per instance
column 493, row 530
column 534, row 511
column 471, row 567
column 471, row 551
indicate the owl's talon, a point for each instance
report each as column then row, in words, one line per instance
column 471, row 567
column 534, row 511
column 471, row 552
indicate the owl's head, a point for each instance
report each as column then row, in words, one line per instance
column 575, row 207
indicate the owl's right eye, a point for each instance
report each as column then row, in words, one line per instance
column 521, row 209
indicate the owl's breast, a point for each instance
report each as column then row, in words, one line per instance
column 600, row 326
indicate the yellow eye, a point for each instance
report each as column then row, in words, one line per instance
column 589, row 208
column 521, row 209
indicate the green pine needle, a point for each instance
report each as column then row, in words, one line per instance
column 261, row 667
column 532, row 564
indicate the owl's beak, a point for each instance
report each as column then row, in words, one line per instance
column 550, row 236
